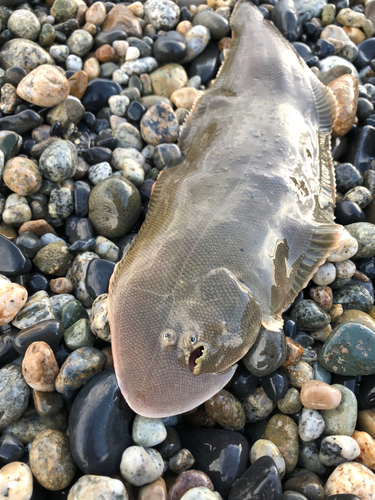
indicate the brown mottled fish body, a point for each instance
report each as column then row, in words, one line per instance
column 233, row 232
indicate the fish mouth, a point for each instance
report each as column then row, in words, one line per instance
column 196, row 358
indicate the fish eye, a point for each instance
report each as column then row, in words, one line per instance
column 193, row 339
column 169, row 337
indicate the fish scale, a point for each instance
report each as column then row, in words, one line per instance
column 233, row 232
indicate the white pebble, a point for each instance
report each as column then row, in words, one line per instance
column 12, row 298
column 99, row 172
column 311, row 425
column 140, row 465
column 335, row 450
column 120, row 77
column 16, row 482
column 348, row 248
column 73, row 63
column 59, row 52
column 17, row 210
column 103, row 487
column 201, row 493
column 132, row 54
column 264, row 447
column 120, row 46
column 345, row 269
column 148, row 431
column 118, row 104
column 325, row 275
column 132, row 171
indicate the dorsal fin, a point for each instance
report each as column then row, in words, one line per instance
column 326, row 105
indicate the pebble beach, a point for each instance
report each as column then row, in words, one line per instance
column 93, row 97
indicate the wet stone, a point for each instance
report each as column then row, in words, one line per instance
column 49, row 331
column 99, row 405
column 367, row 448
column 45, row 86
column 335, row 450
column 98, row 274
column 187, row 481
column 148, row 432
column 283, row 432
column 263, row 447
column 364, row 233
column 345, row 352
column 77, row 275
column 98, row 92
column 16, row 481
column 70, row 312
column 351, row 478
column 159, row 124
column 171, row 444
column 54, row 259
column 121, row 18
column 181, row 462
column 243, row 383
column 167, row 50
column 342, row 419
column 308, row 458
column 308, row 484
column 59, row 161
column 99, row 323
column 38, row 308
column 322, row 296
column 318, row 395
column 11, row 449
column 47, row 404
column 61, row 285
column 309, row 316
column 267, row 354
column 80, row 365
column 50, row 460
column 299, row 374
column 39, row 367
column 290, row 404
column 217, row 25
column 14, row 393
column 91, row 486
column 79, row 335
column 257, row 406
column 226, row 410
column 141, row 465
column 311, row 425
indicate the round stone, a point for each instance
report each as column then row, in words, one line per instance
column 196, row 39
column 24, row 54
column 159, row 124
column 257, row 406
column 14, row 394
column 22, row 176
column 80, row 42
column 217, row 25
column 317, row 395
column 39, row 367
column 185, row 97
column 335, row 450
column 267, row 353
column 353, row 297
column 162, row 14
column 38, row 308
column 156, row 490
column 325, row 274
column 347, row 249
column 16, row 481
column 167, row 79
column 16, row 210
column 263, row 447
column 364, row 233
column 12, row 298
column 310, row 425
column 97, row 173
column 59, row 161
column 24, row 24
column 345, row 90
column 133, row 171
column 99, row 323
column 309, row 316
column 79, row 335
column 353, row 479
column 54, row 259
column 226, row 410
column 141, row 465
column 367, row 446
column 290, row 404
column 50, row 460
column 127, row 136
column 322, row 296
column 181, row 461
column 283, row 432
column 63, row 10
column 89, row 487
column 45, row 86
column 148, row 431
column 115, row 205
column 187, row 481
column 342, row 419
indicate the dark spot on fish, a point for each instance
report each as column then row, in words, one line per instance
column 308, row 153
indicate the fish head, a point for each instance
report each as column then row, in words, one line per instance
column 180, row 350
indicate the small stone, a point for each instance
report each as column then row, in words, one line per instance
column 342, row 419
column 22, row 176
column 283, row 432
column 16, row 481
column 141, row 465
column 185, row 97
column 347, row 249
column 201, row 493
column 50, row 460
column 133, row 171
column 317, row 395
column 307, row 484
column 59, row 52
column 309, row 459
column 257, row 406
column 9, row 99
column 139, row 66
column 24, row 24
column 366, row 422
column 61, row 285
column 45, row 86
column 263, row 447
column 39, row 367
column 181, row 462
column 290, row 404
column 16, row 210
column 63, row 10
column 156, row 490
column 309, row 316
column 353, row 297
column 80, row 42
column 77, row 275
column 37, row 227
column 148, row 431
column 322, row 296
column 89, row 486
column 162, row 14
column 59, row 161
column 214, row 22
column 78, row 82
column 96, row 14
column 367, row 448
column 325, row 274
column 345, row 269
column 294, row 352
column 118, row 104
column 187, row 481
column 226, row 410
column 48, row 404
column 121, row 18
column 99, row 323
column 299, row 374
column 79, row 335
column 335, row 450
column 347, row 17
column 24, row 54
column 92, row 69
column 167, row 79
column 127, row 136
column 364, row 234
column 351, row 478
column 97, row 173
column 37, row 308
column 79, row 366
column 159, row 124
column 14, row 394
column 12, row 299
column 311, row 425
column 267, row 353
column 68, row 112
column 196, row 39
column 54, row 259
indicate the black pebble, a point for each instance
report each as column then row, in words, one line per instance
column 37, row 282
column 108, row 37
column 323, row 48
column 7, row 351
column 81, row 246
column 98, row 274
column 167, row 50
column 144, row 48
column 166, row 156
column 171, row 444
column 79, row 228
column 12, row 261
column 29, row 244
column 14, row 75
column 348, row 212
column 135, row 111
column 49, row 331
column 205, row 64
column 22, row 122
column 360, row 149
column 97, row 155
column 349, row 382
column 364, row 109
column 366, row 393
column 285, row 17
column 98, row 92
column 11, row 449
column 243, row 382
column 275, row 385
column 82, row 192
column 89, row 119
column 135, row 82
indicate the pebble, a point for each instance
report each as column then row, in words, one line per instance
column 226, row 410
column 148, row 432
column 367, row 449
column 77, row 275
column 99, row 318
column 322, row 296
column 299, row 374
column 162, row 14
column 47, row 404
column 24, row 54
column 342, row 419
column 347, row 249
column 45, row 86
column 16, row 481
column 283, row 432
column 257, row 406
column 291, row 402
column 354, row 296
column 187, row 481
column 364, row 234
column 317, row 395
column 263, row 447
column 366, row 422
column 308, row 458
column 99, row 172
column 39, row 367
column 141, row 465
column 181, row 461
column 351, row 478
column 133, row 171
column 14, row 394
column 267, row 353
column 159, row 124
column 156, row 490
column 12, row 299
column 201, row 493
column 58, row 161
column 335, row 450
column 167, row 79
column 311, row 425
column 121, row 18
column 325, row 274
column 37, row 308
column 90, row 486
column 22, row 176
column 307, row 484
column 16, row 210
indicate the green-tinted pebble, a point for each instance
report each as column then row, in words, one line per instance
column 47, row 35
column 152, row 174
column 321, row 373
column 309, row 316
column 9, row 145
column 342, row 419
column 283, row 432
column 308, row 458
column 328, row 14
column 54, row 259
column 79, row 335
column 71, row 312
column 339, row 283
column 353, row 297
column 291, row 402
column 364, row 233
column 349, row 350
column 226, row 410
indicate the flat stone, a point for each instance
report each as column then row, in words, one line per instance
column 38, row 308
column 167, row 79
column 91, row 486
column 121, row 18
column 24, row 54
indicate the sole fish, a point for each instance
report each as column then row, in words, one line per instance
column 232, row 233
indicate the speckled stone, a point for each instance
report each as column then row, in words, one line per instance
column 185, row 97
column 167, row 79
column 79, row 366
column 311, row 425
column 342, row 419
column 325, row 274
column 16, row 482
column 181, row 461
column 47, row 404
column 148, row 431
column 14, row 394
column 67, row 112
column 31, row 424
column 58, row 161
column 257, row 406
column 367, row 449
column 80, row 43
column 39, row 367
column 45, row 86
column 299, row 374
column 22, row 176
column 351, row 478
column 16, row 210
column 53, row 259
column 162, row 14
column 141, row 465
column 308, row 458
column 77, row 275
column 37, row 308
column 317, row 395
column 159, row 124
column 24, row 54
column 121, row 18
column 364, row 233
column 347, row 249
column 12, row 299
column 322, row 296
column 291, row 402
column 309, row 316
column 79, row 335
column 196, row 39
column 133, row 171
column 50, row 460
column 157, row 490
column 226, row 410
column 99, row 172
column 353, row 297
column 347, row 352
column 264, row 447
column 90, row 487
column 99, row 323
column 294, row 352
column 187, row 481
column 283, row 432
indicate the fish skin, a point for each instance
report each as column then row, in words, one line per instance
column 233, row 232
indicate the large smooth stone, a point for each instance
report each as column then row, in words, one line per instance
column 361, row 148
column 45, row 86
column 222, row 455
column 24, row 54
column 12, row 261
column 341, row 421
column 260, row 481
column 351, row 478
column 99, row 425
column 121, row 18
column 206, row 64
column 21, row 122
column 346, row 352
column 283, row 432
column 97, row 94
